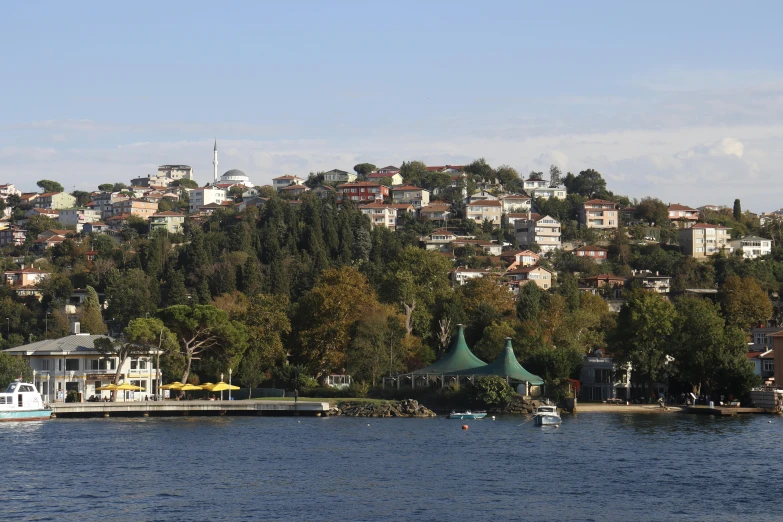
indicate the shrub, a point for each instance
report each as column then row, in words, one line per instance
column 491, row 391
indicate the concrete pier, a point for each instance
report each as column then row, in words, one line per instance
column 170, row 408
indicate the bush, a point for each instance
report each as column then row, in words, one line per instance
column 72, row 397
column 491, row 391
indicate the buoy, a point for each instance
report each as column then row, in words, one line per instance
column 557, row 425
column 770, row 422
column 493, row 417
column 464, row 426
column 368, row 424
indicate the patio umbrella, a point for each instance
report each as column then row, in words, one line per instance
column 108, row 387
column 188, row 387
column 129, row 387
column 221, row 386
column 172, row 386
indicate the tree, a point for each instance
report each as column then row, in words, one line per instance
column 555, row 176
column 744, row 303
column 588, row 183
column 106, row 187
column 323, row 319
column 130, row 294
column 491, row 391
column 529, row 302
column 110, row 348
column 737, row 210
column 362, row 169
column 644, row 327
column 90, row 318
column 203, row 329
column 119, row 187
column 82, row 197
column 150, row 336
column 709, row 356
column 50, row 186
column 186, row 183
column 12, row 368
column 414, row 173
column 654, row 211
column 509, row 178
column 535, row 175
column 377, row 345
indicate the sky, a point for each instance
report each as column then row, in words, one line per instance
column 678, row 100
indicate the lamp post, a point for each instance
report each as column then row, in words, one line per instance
column 47, row 324
column 49, row 386
column 221, row 391
column 229, row 384
column 36, row 386
column 84, row 386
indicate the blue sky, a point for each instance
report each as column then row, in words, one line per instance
column 680, row 100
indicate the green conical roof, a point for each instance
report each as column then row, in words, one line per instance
column 506, row 365
column 459, row 358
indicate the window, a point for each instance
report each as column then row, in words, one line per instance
column 71, row 365
column 45, row 364
column 768, row 365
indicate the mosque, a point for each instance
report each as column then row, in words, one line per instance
column 230, row 177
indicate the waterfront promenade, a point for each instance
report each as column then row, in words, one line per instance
column 170, row 408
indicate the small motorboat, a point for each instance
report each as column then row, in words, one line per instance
column 467, row 414
column 21, row 402
column 546, row 415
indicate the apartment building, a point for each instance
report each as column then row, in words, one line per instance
column 205, row 196
column 535, row 229
column 703, row 240
column 363, row 192
column 598, row 214
column 407, row 194
column 55, row 200
column 752, row 246
column 78, row 217
column 489, row 210
column 135, row 207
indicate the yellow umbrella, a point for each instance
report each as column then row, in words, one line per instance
column 207, row 386
column 108, row 387
column 188, row 387
column 223, row 386
column 172, row 386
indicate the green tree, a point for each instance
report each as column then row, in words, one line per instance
column 362, row 169
column 529, row 302
column 186, row 183
column 509, row 178
column 377, row 345
column 106, row 187
column 130, row 294
column 11, row 368
column 90, row 317
column 707, row 355
column 204, row 330
column 642, row 337
column 120, row 349
column 737, row 210
column 588, row 183
column 555, row 176
column 491, row 391
column 324, row 317
column 151, row 337
column 50, row 186
column 744, row 303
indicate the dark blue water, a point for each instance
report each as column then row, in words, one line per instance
column 597, row 466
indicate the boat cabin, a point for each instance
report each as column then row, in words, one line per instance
column 20, row 396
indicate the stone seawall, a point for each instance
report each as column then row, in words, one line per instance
column 405, row 408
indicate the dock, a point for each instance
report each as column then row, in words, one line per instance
column 170, row 408
column 726, row 411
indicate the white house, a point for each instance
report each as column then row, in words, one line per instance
column 284, row 181
column 205, row 196
column 78, row 217
column 73, row 363
column 752, row 246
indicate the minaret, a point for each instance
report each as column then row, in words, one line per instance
column 215, row 163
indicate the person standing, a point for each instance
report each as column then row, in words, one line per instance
column 296, row 395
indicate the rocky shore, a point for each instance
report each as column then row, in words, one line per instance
column 405, row 408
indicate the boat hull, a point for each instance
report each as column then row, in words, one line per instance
column 467, row 416
column 25, row 415
column 548, row 420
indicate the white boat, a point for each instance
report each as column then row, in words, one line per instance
column 546, row 415
column 21, row 402
column 467, row 415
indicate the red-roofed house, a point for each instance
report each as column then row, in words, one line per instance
column 520, row 258
column 598, row 213
column 362, row 191
column 395, row 178
column 603, row 280
column 683, row 215
column 523, row 275
column 284, row 181
column 482, row 210
column 595, row 253
column 436, row 211
column 25, row 281
column 294, row 190
column 418, row 197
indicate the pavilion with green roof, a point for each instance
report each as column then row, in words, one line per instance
column 458, row 358
column 506, row 366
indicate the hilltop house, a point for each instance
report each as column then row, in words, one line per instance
column 682, row 215
column 407, row 194
column 535, row 229
column 362, row 191
column 339, row 176
column 484, row 210
column 523, row 275
column 752, row 246
column 595, row 253
column 598, row 213
column 703, row 240
column 283, row 181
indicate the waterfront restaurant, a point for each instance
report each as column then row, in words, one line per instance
column 73, row 363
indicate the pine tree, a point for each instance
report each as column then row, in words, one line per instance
column 90, row 315
column 175, row 291
column 737, row 210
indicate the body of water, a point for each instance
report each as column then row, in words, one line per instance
column 596, row 466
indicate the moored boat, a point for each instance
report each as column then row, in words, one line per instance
column 22, row 402
column 546, row 415
column 467, row 414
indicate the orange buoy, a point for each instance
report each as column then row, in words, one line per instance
column 464, row 426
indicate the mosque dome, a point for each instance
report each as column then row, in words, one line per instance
column 235, row 176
